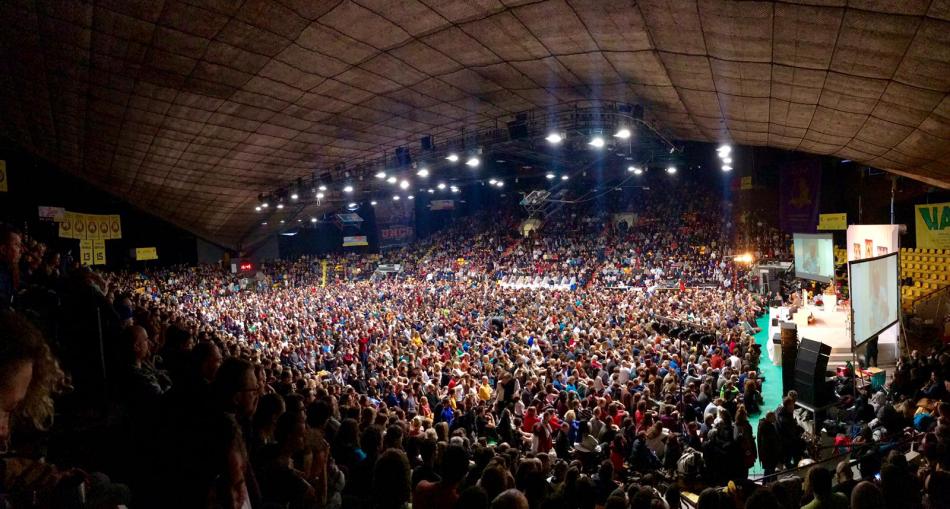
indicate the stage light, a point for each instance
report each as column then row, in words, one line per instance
column 411, row 197
column 319, row 196
column 313, row 220
column 395, row 197
column 564, row 177
column 472, row 162
column 423, row 173
column 554, row 138
column 348, row 189
column 671, row 169
column 623, row 133
column 392, row 180
column 441, row 185
column 322, row 187
column 453, row 158
column 352, row 206
column 744, row 258
column 492, row 181
column 373, row 203
column 404, row 184
column 597, row 142
column 727, row 168
column 280, row 206
column 724, row 150
column 257, row 208
column 381, row 175
column 727, row 160
column 294, row 196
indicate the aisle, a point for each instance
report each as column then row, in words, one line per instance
column 772, row 388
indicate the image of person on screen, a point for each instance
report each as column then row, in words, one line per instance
column 879, row 311
column 810, row 263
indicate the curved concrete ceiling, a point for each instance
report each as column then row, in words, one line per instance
column 191, row 108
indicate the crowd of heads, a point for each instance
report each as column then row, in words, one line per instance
column 593, row 363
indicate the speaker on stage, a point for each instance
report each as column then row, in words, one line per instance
column 810, row 367
column 789, row 333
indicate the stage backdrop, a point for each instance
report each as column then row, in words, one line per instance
column 870, row 241
column 932, row 222
column 798, row 204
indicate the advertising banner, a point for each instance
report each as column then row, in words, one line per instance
column 146, row 253
column 355, row 240
column 442, row 204
column 798, row 202
column 833, row 221
column 932, row 222
column 396, row 222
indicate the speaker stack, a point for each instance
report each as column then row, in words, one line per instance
column 810, row 367
column 789, row 335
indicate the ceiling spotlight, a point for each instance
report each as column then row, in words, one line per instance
column 727, row 160
column 724, row 150
column 441, row 185
column 381, row 174
column 549, row 176
column 352, row 205
column 264, row 223
column 631, row 169
column 294, row 196
column 373, row 203
column 348, row 189
column 623, row 133
column 455, row 189
column 500, row 184
column 492, row 181
column 423, row 173
column 395, row 197
column 671, row 170
column 322, row 187
column 280, row 205
column 404, row 184
column 281, row 221
column 452, row 157
column 265, row 205
column 319, row 196
column 727, row 168
column 597, row 142
column 637, row 171
column 564, row 177
column 257, row 208
column 472, row 162
column 431, row 190
column 554, row 138
column 313, row 220
column 411, row 197
column 391, row 180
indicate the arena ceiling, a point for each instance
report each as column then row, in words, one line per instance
column 189, row 109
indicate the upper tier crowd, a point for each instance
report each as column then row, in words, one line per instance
column 589, row 364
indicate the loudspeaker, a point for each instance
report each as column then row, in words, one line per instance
column 789, row 334
column 517, row 130
column 402, row 156
column 810, row 367
column 426, row 143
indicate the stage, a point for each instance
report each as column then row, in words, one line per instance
column 831, row 327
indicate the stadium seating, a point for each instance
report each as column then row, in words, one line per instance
column 928, row 268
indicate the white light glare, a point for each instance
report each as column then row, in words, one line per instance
column 596, row 142
column 294, row 196
column 492, row 181
column 404, row 184
column 319, row 196
column 280, row 205
column 623, row 133
column 322, row 187
column 671, row 170
column 727, row 160
column 352, row 205
column 381, row 174
column 265, row 205
column 257, row 208
column 412, row 197
column 423, row 173
column 391, row 180
column 395, row 197
column 453, row 157
column 264, row 223
column 564, row 177
column 348, row 189
column 549, row 176
column 313, row 220
column 500, row 184
column 431, row 190
column 554, row 138
column 441, row 185
column 472, row 162
column 727, row 168
column 455, row 189
column 637, row 171
column 373, row 203
column 724, row 150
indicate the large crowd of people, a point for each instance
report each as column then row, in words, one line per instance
column 593, row 363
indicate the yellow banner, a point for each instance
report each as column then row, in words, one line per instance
column 85, row 252
column 745, row 183
column 933, row 225
column 833, row 221
column 146, row 253
column 90, row 226
column 98, row 252
column 3, row 177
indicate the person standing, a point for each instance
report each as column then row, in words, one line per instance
column 770, row 444
column 870, row 353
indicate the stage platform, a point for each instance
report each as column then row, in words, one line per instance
column 831, row 327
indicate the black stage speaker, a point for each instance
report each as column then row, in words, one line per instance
column 810, row 367
column 789, row 335
column 426, row 144
column 517, row 130
column 402, row 156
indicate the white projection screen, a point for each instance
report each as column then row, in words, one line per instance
column 814, row 256
column 875, row 296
